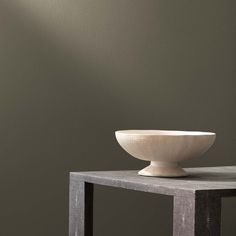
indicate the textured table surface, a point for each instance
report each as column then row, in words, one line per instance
column 196, row 198
column 220, row 180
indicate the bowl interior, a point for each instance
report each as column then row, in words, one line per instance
column 164, row 132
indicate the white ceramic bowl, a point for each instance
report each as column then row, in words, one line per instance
column 164, row 148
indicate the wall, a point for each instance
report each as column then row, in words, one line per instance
column 73, row 72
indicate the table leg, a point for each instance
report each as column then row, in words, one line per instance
column 81, row 208
column 197, row 215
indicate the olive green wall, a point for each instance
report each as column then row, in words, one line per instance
column 74, row 71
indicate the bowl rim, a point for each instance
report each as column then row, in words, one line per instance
column 153, row 132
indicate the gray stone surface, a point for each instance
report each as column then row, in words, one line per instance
column 199, row 215
column 197, row 198
column 219, row 179
column 81, row 208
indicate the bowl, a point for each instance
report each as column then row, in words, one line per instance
column 164, row 148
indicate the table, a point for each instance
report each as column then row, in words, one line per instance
column 197, row 198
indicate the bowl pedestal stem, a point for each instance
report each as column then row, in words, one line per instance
column 163, row 169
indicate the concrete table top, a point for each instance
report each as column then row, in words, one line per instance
column 197, row 197
column 219, row 179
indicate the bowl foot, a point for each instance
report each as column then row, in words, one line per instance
column 163, row 169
